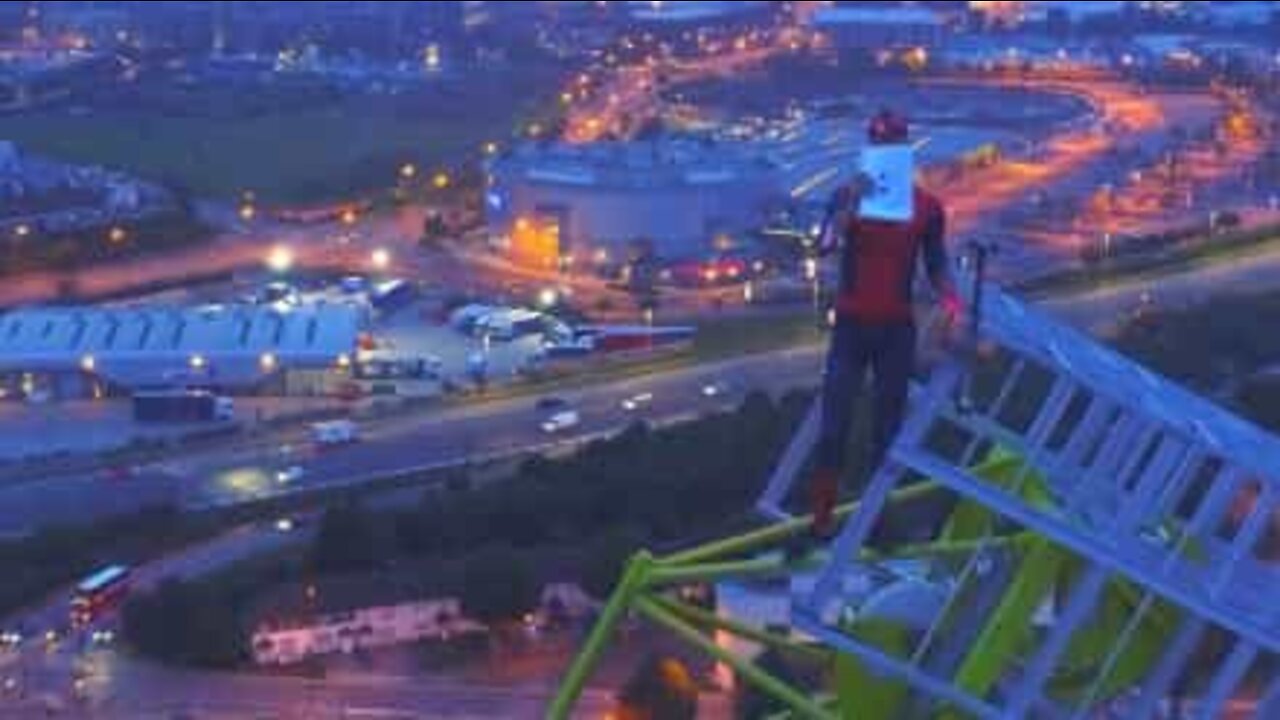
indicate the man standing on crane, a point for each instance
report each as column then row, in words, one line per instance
column 875, row 321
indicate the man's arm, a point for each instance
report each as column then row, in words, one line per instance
column 836, row 223
column 842, row 212
column 938, row 263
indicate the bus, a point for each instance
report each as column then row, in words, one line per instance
column 99, row 593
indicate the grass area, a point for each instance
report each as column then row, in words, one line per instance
column 328, row 147
column 1226, row 340
column 1200, row 254
column 725, row 338
column 312, row 155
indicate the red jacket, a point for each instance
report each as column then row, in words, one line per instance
column 880, row 259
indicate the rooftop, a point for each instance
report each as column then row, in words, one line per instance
column 639, row 164
column 61, row 336
column 690, row 10
column 877, row 16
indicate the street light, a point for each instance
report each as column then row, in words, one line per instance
column 548, row 298
column 280, row 260
column 349, row 217
column 408, row 171
column 380, row 259
column 117, row 235
column 198, row 362
column 269, row 362
column 248, row 213
column 442, row 180
column 88, row 364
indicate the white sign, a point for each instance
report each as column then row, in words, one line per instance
column 891, row 170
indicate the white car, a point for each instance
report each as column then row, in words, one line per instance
column 715, row 390
column 637, row 402
column 290, row 475
column 562, row 421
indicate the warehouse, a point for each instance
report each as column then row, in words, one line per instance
column 72, row 353
column 584, row 204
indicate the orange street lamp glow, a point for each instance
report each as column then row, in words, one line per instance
column 280, row 260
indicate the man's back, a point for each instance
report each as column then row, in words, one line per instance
column 880, row 259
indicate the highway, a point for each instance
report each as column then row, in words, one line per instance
column 245, row 473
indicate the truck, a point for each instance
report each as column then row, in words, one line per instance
column 337, row 432
column 182, row 406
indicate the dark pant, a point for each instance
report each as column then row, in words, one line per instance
column 888, row 350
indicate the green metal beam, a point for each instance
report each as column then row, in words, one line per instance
column 710, row 620
column 757, row 569
column 776, row 534
column 634, row 579
column 769, row 567
column 804, row 706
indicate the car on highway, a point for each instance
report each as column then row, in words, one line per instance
column 716, row 390
column 561, row 422
column 335, row 433
column 638, row 402
column 10, row 640
column 103, row 637
column 290, row 475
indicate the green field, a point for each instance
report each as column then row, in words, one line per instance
column 323, row 149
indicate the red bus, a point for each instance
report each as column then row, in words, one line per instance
column 98, row 594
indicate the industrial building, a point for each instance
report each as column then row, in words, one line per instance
column 697, row 13
column 71, row 353
column 871, row 29
column 559, row 203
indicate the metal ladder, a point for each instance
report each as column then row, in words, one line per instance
column 1150, row 486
